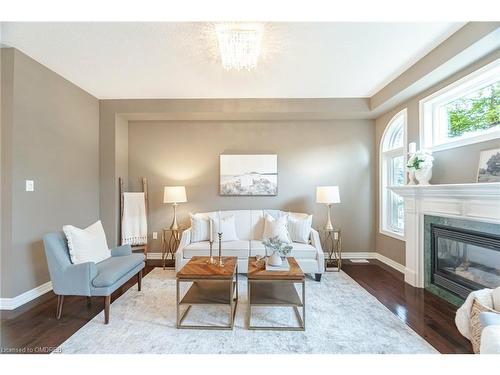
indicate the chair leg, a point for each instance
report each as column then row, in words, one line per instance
column 139, row 280
column 107, row 302
column 60, row 302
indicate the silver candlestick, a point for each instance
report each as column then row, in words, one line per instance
column 211, row 260
column 221, row 262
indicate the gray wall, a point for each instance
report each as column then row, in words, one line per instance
column 310, row 153
column 50, row 136
column 115, row 115
column 458, row 165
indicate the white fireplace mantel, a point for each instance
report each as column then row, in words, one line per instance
column 477, row 201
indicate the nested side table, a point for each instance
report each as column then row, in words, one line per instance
column 331, row 241
column 170, row 240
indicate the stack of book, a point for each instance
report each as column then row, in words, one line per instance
column 285, row 266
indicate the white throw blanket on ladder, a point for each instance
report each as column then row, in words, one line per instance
column 134, row 222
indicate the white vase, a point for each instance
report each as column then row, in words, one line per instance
column 411, row 177
column 275, row 259
column 423, row 175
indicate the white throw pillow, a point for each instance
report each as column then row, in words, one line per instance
column 87, row 245
column 276, row 227
column 299, row 229
column 199, row 228
column 227, row 227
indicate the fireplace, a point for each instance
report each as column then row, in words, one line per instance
column 464, row 260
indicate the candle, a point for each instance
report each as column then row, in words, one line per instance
column 412, row 148
column 211, row 230
column 219, row 223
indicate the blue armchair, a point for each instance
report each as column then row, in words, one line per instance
column 89, row 279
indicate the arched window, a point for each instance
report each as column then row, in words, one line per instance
column 392, row 173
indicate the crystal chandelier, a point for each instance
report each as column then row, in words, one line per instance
column 239, row 45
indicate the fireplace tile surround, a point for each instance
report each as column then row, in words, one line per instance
column 471, row 206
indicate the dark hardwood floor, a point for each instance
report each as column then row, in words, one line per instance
column 429, row 316
column 33, row 328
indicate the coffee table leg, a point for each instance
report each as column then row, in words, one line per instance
column 177, row 302
column 249, row 308
column 303, row 304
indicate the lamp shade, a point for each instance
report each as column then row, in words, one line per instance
column 174, row 194
column 327, row 194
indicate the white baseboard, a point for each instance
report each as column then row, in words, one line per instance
column 154, row 256
column 391, row 263
column 359, row 255
column 15, row 302
column 373, row 255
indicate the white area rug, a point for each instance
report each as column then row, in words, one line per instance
column 341, row 317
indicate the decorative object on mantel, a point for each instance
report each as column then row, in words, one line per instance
column 421, row 164
column 279, row 249
column 412, row 149
column 328, row 195
column 489, row 166
column 174, row 195
column 249, row 175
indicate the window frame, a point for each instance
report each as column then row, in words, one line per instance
column 385, row 166
column 432, row 121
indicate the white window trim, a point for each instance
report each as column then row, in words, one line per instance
column 383, row 175
column 428, row 116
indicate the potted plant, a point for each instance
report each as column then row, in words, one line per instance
column 420, row 164
column 279, row 249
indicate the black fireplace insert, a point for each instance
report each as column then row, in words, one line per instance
column 464, row 260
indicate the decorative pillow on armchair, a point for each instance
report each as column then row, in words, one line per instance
column 87, row 245
column 276, row 227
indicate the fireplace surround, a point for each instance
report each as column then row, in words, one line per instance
column 474, row 206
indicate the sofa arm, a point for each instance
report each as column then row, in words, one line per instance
column 121, row 251
column 315, row 240
column 76, row 279
column 320, row 255
column 179, row 254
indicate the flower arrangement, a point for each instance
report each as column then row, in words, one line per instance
column 422, row 159
column 276, row 245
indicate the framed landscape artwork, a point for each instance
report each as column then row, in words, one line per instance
column 489, row 166
column 249, row 174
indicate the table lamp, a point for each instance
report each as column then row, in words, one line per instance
column 328, row 195
column 174, row 195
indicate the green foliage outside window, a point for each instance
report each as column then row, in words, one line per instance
column 476, row 112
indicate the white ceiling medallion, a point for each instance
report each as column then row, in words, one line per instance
column 239, row 45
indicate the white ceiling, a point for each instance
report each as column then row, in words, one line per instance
column 180, row 60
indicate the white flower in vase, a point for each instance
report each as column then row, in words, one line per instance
column 420, row 164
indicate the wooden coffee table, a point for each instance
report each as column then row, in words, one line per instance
column 276, row 289
column 210, row 285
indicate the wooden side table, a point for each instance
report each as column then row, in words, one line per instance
column 170, row 240
column 331, row 241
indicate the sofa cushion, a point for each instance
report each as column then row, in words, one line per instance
column 110, row 270
column 276, row 228
column 240, row 249
column 199, row 228
column 299, row 251
column 299, row 228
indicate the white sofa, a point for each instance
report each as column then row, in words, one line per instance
column 250, row 228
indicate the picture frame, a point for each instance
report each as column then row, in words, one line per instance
column 489, row 166
column 249, row 175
